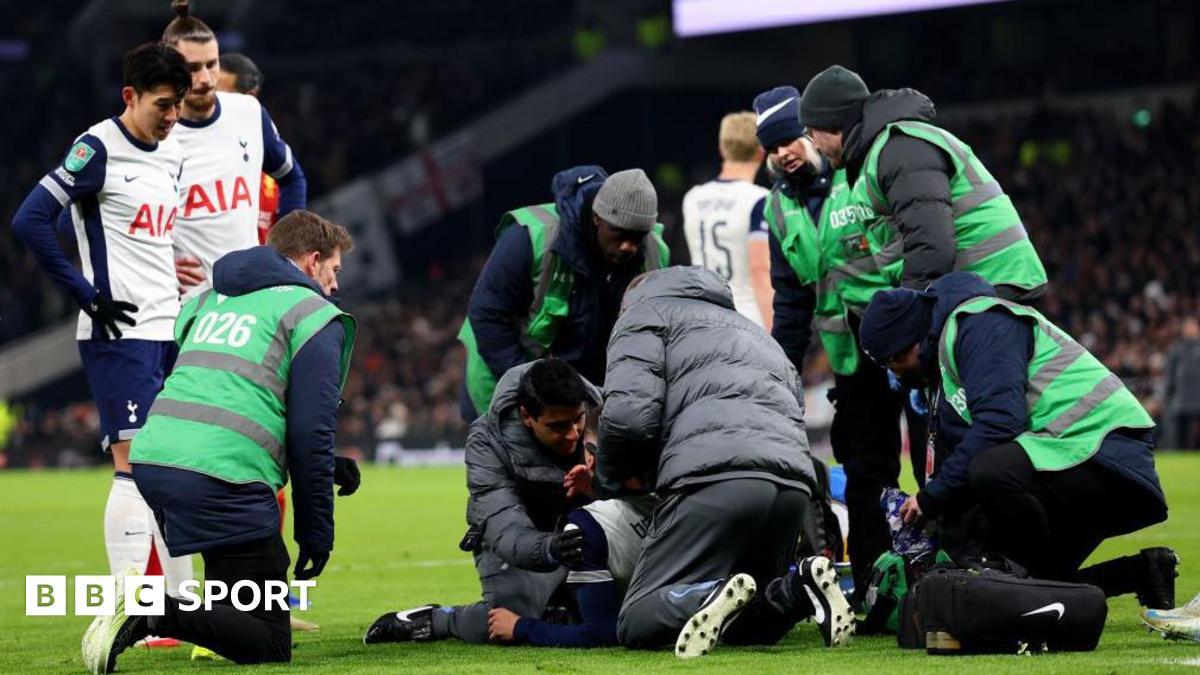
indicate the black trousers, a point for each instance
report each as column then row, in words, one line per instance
column 1050, row 521
column 257, row 636
column 701, row 536
column 865, row 436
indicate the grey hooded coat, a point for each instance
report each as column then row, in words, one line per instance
column 515, row 487
column 696, row 393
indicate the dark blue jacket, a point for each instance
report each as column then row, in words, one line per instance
column 993, row 350
column 198, row 512
column 502, row 295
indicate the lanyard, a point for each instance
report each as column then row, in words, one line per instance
column 932, row 435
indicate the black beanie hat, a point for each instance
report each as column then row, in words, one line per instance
column 830, row 97
column 896, row 319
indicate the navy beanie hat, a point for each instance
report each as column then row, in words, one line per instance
column 778, row 113
column 895, row 320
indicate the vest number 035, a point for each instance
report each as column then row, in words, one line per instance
column 224, row 329
column 726, row 270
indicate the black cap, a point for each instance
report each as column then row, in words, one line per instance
column 830, row 98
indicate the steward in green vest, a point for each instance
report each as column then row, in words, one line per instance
column 554, row 281
column 948, row 212
column 251, row 403
column 824, row 270
column 1030, row 427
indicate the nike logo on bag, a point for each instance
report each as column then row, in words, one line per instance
column 1053, row 607
column 130, row 180
column 762, row 116
column 584, row 179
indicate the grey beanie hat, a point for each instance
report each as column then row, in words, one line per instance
column 627, row 200
column 830, row 96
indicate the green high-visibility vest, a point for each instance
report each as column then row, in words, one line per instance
column 223, row 410
column 836, row 255
column 989, row 237
column 552, row 279
column 1073, row 400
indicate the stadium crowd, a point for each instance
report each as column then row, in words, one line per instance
column 1091, row 186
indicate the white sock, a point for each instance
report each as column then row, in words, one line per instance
column 128, row 527
column 175, row 570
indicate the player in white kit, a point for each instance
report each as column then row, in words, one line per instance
column 121, row 181
column 613, row 530
column 723, row 221
column 229, row 142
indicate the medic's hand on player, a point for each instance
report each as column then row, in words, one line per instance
column 188, row 272
column 578, row 482
column 346, row 476
column 566, row 547
column 502, row 625
column 106, row 314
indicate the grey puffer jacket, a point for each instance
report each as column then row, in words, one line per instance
column 516, row 495
column 696, row 393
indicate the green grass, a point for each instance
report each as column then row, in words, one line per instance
column 397, row 547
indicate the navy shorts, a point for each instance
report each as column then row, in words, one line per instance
column 125, row 376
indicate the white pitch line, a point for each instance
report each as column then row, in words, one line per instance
column 405, row 564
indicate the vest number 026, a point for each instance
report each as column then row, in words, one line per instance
column 726, row 270
column 224, row 329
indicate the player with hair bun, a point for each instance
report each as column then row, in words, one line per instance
column 229, row 144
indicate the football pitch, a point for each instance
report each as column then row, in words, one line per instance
column 396, row 547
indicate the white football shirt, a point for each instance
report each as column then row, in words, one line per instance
column 719, row 218
column 124, row 199
column 224, row 159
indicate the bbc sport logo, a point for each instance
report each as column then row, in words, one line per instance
column 145, row 595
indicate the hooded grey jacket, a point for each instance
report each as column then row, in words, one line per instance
column 696, row 393
column 515, row 487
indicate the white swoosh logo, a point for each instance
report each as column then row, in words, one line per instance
column 584, row 179
column 762, row 117
column 1052, row 607
column 818, row 608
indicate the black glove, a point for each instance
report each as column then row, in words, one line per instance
column 567, row 547
column 314, row 561
column 106, row 313
column 346, row 476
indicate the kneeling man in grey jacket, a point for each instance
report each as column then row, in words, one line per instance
column 707, row 403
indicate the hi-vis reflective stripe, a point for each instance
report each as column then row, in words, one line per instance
column 980, row 191
column 993, row 244
column 977, row 196
column 283, row 333
column 890, row 253
column 832, row 324
column 1099, row 393
column 1069, row 352
column 854, row 269
column 220, row 417
column 255, row 372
